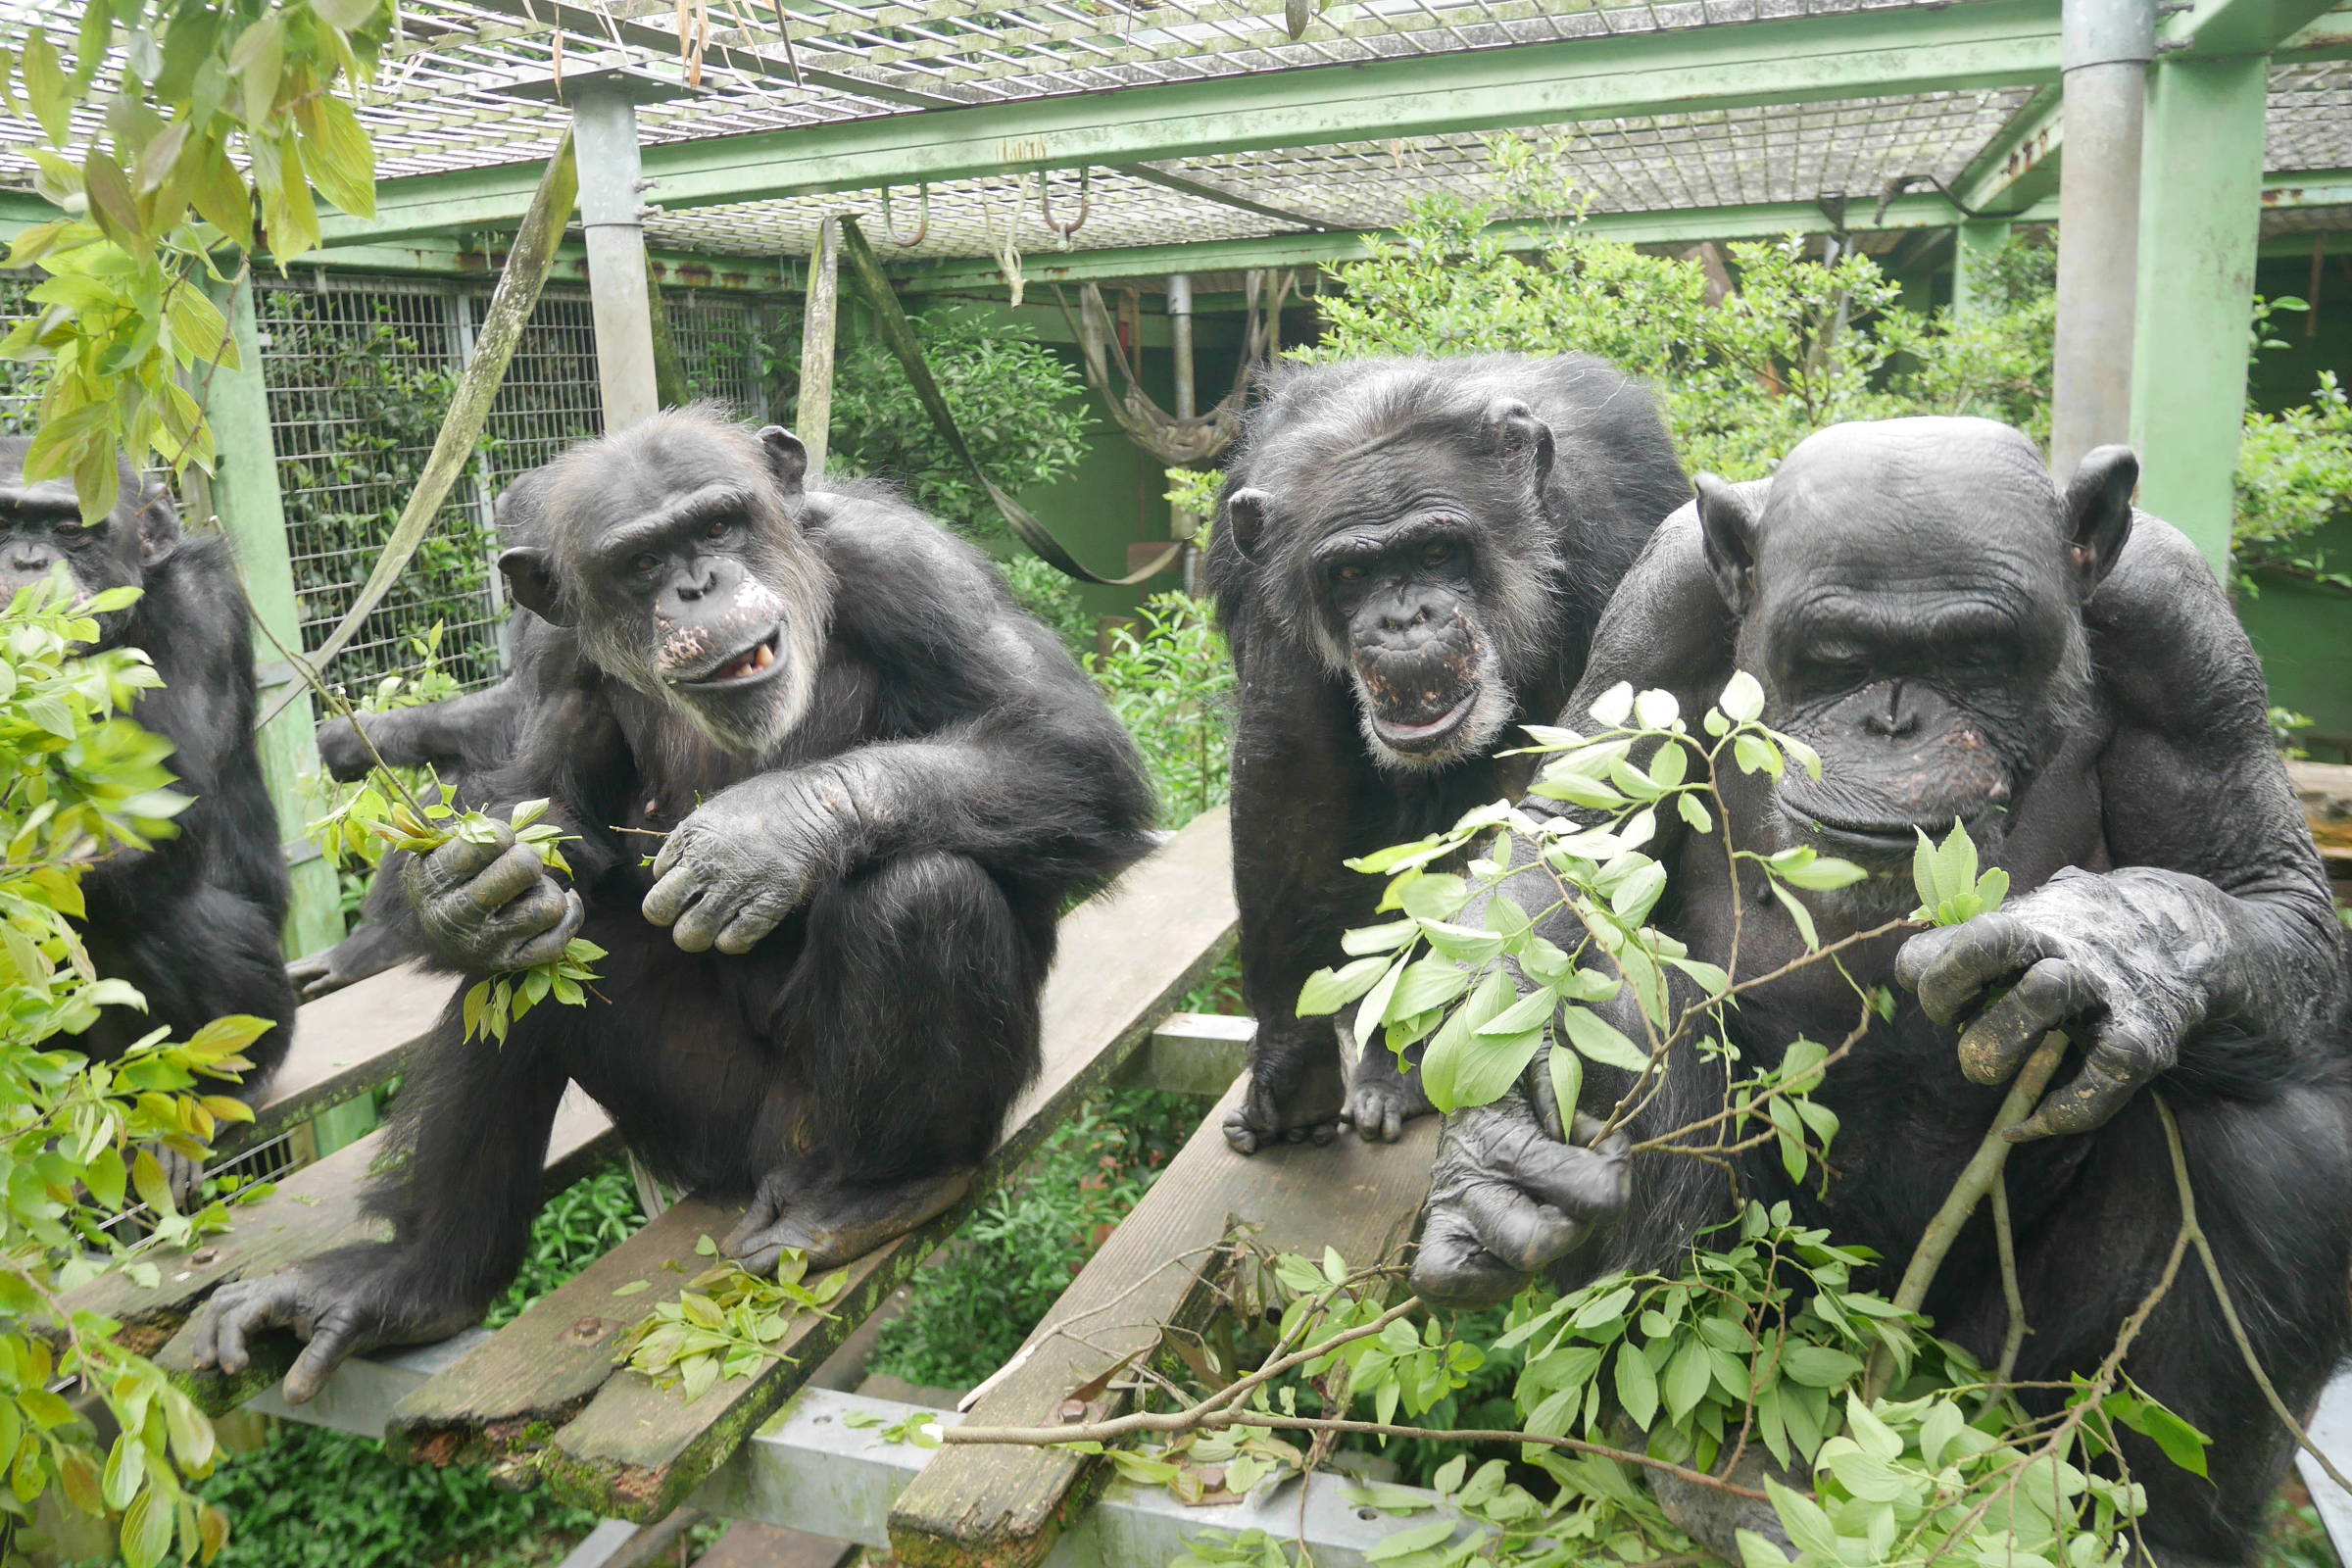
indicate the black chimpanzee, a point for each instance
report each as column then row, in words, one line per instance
column 192, row 921
column 873, row 784
column 1961, row 641
column 1412, row 552
column 464, row 739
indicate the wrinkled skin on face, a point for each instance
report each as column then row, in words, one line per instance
column 1962, row 641
column 1399, row 583
column 41, row 532
column 690, row 551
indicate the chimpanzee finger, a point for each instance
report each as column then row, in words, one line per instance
column 511, row 876
column 1584, row 1184
column 699, row 927
column 557, row 915
column 238, row 1309
column 673, row 893
column 1525, row 1234
column 332, row 1338
column 1451, row 1268
column 2115, row 1069
column 1950, row 969
column 751, row 923
column 1996, row 1044
column 460, row 859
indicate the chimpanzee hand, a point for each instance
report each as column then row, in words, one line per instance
column 491, row 906
column 2113, row 958
column 1507, row 1198
column 1295, row 1092
column 747, row 857
column 345, row 755
column 339, row 1312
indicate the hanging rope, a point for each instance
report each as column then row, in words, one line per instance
column 922, row 225
column 1177, row 443
column 866, row 268
column 1045, row 204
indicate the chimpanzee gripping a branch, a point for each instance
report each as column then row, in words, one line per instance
column 869, row 784
column 1412, row 555
column 1961, row 641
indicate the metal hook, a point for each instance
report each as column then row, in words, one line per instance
column 922, row 223
column 1045, row 201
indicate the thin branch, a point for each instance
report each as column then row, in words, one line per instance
column 2221, row 1294
column 2005, row 1243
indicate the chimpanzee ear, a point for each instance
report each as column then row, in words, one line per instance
column 787, row 460
column 1730, row 530
column 2098, row 512
column 1244, row 519
column 158, row 522
column 531, row 583
column 1520, row 437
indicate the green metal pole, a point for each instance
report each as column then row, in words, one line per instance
column 1977, row 241
column 248, row 508
column 2200, row 224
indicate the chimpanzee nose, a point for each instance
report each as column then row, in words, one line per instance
column 1405, row 617
column 27, row 558
column 695, row 582
column 1898, row 722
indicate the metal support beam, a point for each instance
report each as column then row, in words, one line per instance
column 2200, row 224
column 1976, row 242
column 2108, row 46
column 2019, row 166
column 1876, row 52
column 247, row 505
column 603, row 119
column 2212, row 29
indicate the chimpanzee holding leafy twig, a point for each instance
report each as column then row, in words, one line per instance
column 873, row 784
column 1960, row 641
column 1411, row 555
column 192, row 920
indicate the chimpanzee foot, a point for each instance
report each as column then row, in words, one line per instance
column 834, row 1224
column 182, row 1176
column 1383, row 1098
column 1290, row 1098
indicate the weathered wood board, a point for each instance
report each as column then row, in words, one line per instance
column 345, row 1043
column 1005, row 1506
column 1126, row 958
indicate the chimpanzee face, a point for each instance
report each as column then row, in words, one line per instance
column 41, row 533
column 675, row 550
column 1911, row 594
column 1398, row 558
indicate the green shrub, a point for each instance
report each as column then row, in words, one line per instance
column 1170, row 681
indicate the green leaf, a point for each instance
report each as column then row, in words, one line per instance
column 1822, row 875
column 1809, row 1528
column 1600, row 1039
column 45, row 87
column 2180, row 1442
column 1387, row 938
column 1459, row 1068
column 256, row 62
column 338, row 155
column 1687, row 1378
column 1412, row 1539
column 1434, row 895
column 1426, row 985
column 1743, row 698
column 1466, row 943
column 1531, row 1011
column 1614, row 705
column 1800, row 914
column 1636, row 1385
column 1818, row 1366
column 1329, row 990
column 1567, row 1071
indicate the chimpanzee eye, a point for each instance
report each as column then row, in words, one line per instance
column 644, row 562
column 719, row 528
column 1350, row 573
column 1438, row 553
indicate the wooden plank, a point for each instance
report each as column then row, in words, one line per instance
column 638, row 1450
column 345, row 1043
column 511, row 1393
column 311, row 1210
column 1196, row 1054
column 1006, row 1506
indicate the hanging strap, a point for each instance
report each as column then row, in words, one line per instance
column 901, row 337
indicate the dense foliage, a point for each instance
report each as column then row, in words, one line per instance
column 83, row 782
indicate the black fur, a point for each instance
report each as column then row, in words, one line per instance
column 949, row 779
column 193, row 922
column 1497, row 500
column 1959, row 639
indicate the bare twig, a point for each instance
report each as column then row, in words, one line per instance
column 1976, row 1178
column 2221, row 1294
column 2005, row 1243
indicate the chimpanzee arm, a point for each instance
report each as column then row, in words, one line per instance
column 1297, row 767
column 472, row 1124
column 453, row 738
column 2212, row 949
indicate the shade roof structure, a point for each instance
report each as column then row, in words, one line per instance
column 1099, row 126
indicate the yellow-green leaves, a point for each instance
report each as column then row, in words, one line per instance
column 725, row 1323
column 1950, row 892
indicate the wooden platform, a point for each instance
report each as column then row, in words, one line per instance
column 543, row 1391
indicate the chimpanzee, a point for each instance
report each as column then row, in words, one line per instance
column 1411, row 553
column 872, row 785
column 1961, row 641
column 464, row 739
column 192, row 920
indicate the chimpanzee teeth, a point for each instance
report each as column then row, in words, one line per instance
column 762, row 657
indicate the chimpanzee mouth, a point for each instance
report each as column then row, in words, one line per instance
column 1425, row 737
column 1863, row 839
column 756, row 664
